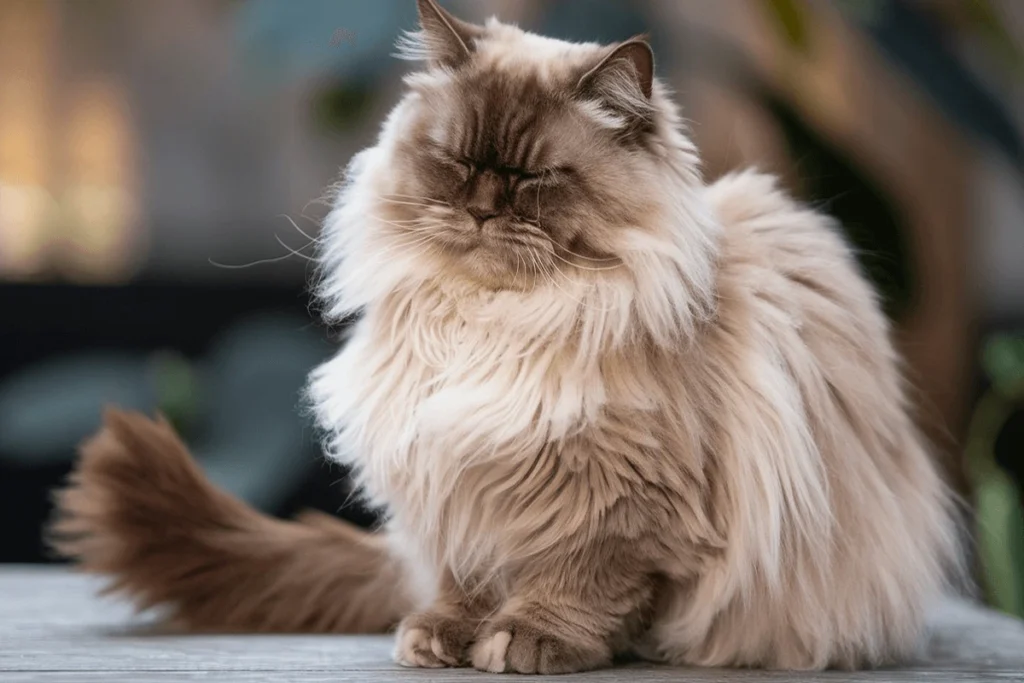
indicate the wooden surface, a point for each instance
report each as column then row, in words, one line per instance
column 52, row 628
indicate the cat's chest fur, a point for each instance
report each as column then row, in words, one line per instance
column 431, row 389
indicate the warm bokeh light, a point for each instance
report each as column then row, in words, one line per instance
column 68, row 202
column 27, row 43
column 26, row 212
column 99, row 217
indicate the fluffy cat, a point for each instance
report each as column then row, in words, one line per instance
column 608, row 408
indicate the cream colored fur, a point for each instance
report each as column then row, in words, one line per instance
column 721, row 410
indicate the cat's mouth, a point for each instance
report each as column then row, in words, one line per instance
column 494, row 255
column 495, row 234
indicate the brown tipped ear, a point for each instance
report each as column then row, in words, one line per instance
column 448, row 40
column 632, row 61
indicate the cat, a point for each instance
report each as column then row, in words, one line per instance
column 609, row 408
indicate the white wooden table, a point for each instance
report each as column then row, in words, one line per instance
column 53, row 628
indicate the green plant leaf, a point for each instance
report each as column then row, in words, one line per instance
column 1003, row 361
column 177, row 388
column 1001, row 541
column 343, row 105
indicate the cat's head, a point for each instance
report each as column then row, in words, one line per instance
column 516, row 160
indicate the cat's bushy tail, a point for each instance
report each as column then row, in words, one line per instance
column 139, row 510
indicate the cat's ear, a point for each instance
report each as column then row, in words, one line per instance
column 445, row 40
column 623, row 78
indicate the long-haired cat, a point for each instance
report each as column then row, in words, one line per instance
column 607, row 408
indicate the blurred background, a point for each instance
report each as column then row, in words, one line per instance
column 161, row 164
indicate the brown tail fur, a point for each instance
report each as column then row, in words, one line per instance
column 138, row 508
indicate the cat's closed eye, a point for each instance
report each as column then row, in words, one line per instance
column 516, row 179
column 513, row 175
column 464, row 167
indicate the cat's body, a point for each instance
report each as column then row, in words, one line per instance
column 674, row 426
column 727, row 473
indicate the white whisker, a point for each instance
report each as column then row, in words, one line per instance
column 399, row 246
column 313, row 240
column 591, row 258
column 295, row 252
column 276, row 259
column 422, row 205
column 554, row 253
column 438, row 202
column 405, row 223
column 240, row 266
column 540, row 186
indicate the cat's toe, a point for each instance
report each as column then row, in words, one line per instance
column 432, row 641
column 513, row 645
column 413, row 649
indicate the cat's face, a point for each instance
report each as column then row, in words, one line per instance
column 519, row 155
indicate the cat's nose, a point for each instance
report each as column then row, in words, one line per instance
column 485, row 196
column 481, row 214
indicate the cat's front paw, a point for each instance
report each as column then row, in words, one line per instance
column 520, row 645
column 433, row 641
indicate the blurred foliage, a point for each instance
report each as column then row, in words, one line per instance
column 910, row 38
column 997, row 497
column 1003, row 362
column 343, row 105
column 985, row 22
column 176, row 386
column 238, row 405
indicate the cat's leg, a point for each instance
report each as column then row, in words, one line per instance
column 441, row 635
column 567, row 614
